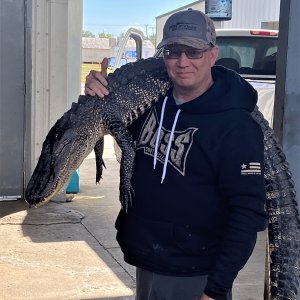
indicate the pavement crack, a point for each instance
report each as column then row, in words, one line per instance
column 107, row 250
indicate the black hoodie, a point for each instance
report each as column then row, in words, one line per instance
column 201, row 214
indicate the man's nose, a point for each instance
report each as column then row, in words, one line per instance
column 183, row 59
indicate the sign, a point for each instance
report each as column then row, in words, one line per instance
column 130, row 54
column 218, row 10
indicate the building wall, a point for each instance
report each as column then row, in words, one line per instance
column 51, row 59
column 95, row 55
column 56, row 67
column 251, row 14
column 75, row 17
column 94, row 52
column 95, row 49
column 245, row 14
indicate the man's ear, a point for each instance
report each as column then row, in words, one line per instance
column 214, row 52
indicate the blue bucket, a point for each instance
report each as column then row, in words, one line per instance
column 73, row 186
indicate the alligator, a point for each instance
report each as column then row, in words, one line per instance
column 133, row 89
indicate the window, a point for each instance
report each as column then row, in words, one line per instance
column 248, row 55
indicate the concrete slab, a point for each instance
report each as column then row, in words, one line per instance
column 58, row 262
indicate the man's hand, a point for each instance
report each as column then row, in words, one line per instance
column 95, row 81
column 205, row 297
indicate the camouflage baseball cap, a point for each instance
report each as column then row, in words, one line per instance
column 191, row 28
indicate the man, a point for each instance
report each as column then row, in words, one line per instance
column 198, row 177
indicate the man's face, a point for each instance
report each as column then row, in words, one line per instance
column 188, row 67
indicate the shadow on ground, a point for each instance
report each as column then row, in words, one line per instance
column 68, row 248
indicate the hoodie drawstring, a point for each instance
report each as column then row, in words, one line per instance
column 158, row 131
column 169, row 142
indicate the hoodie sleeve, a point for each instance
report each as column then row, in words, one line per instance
column 241, row 182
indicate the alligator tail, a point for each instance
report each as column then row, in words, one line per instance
column 283, row 248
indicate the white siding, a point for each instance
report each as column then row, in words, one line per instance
column 251, row 14
column 245, row 14
column 56, row 40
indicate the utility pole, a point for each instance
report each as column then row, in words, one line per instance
column 287, row 93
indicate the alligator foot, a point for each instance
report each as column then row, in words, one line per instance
column 126, row 194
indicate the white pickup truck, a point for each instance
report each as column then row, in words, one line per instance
column 252, row 53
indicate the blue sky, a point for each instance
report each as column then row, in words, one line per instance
column 116, row 16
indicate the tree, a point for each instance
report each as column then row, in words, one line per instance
column 105, row 35
column 87, row 33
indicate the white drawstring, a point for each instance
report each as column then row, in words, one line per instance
column 158, row 132
column 169, row 146
column 169, row 142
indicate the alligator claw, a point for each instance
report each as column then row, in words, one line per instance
column 126, row 195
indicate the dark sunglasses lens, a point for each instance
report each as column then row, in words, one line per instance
column 172, row 54
column 194, row 54
column 190, row 53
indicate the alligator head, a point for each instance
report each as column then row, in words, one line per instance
column 63, row 151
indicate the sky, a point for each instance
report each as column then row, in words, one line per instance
column 116, row 16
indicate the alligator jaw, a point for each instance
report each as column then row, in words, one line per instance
column 59, row 159
column 39, row 193
column 36, row 202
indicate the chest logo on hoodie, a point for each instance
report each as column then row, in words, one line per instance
column 180, row 147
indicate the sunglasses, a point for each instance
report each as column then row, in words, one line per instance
column 190, row 53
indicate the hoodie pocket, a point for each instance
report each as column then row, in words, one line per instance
column 140, row 236
column 195, row 241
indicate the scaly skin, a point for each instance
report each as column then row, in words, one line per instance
column 133, row 88
column 283, row 265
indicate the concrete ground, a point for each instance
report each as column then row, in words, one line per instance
column 67, row 248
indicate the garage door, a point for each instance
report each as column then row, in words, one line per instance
column 12, row 98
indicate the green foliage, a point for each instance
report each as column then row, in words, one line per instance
column 87, row 33
column 86, row 68
column 105, row 35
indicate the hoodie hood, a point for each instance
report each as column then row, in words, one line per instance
column 229, row 91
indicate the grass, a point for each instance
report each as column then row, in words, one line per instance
column 86, row 68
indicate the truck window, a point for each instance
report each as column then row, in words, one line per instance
column 254, row 56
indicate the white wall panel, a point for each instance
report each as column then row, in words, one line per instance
column 56, row 65
column 250, row 13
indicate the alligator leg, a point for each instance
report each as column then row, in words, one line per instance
column 124, row 140
column 98, row 149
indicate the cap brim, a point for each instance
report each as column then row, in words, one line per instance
column 188, row 41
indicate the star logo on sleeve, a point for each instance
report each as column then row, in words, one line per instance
column 252, row 168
